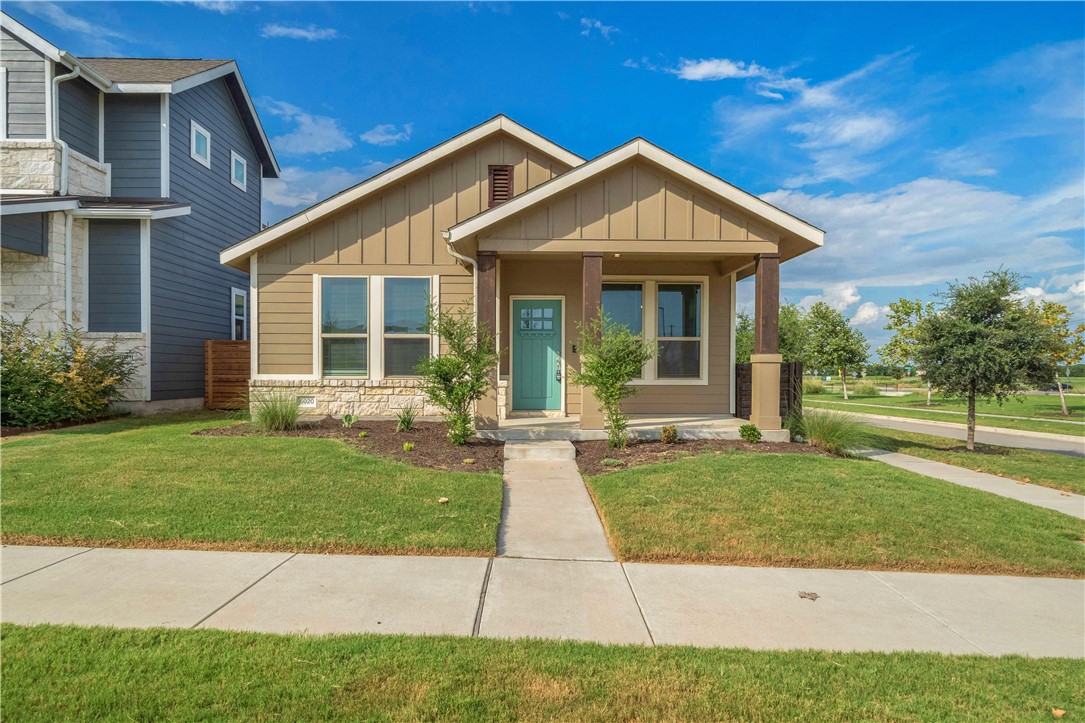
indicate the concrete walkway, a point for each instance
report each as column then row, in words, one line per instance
column 1052, row 499
column 979, row 415
column 547, row 512
column 1019, row 439
column 608, row 602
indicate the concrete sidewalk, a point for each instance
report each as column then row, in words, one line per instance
column 599, row 601
column 1053, row 499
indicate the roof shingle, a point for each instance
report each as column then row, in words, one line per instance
column 151, row 70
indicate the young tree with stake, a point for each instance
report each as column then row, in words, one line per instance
column 904, row 317
column 1069, row 345
column 834, row 344
column 984, row 342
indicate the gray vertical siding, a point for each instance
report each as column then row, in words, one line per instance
column 79, row 116
column 26, row 91
column 113, row 272
column 190, row 289
column 26, row 232
column 133, row 142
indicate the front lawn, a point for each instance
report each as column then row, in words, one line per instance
column 1042, row 412
column 66, row 673
column 786, row 510
column 149, row 482
column 1060, row 471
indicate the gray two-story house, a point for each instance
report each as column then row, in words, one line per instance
column 121, row 180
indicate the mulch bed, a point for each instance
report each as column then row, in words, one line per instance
column 6, row 431
column 432, row 448
column 590, row 455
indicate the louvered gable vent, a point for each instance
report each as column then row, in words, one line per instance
column 500, row 184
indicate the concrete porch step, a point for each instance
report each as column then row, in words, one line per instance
column 540, row 450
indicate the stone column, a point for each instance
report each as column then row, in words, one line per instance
column 592, row 296
column 486, row 408
column 766, row 359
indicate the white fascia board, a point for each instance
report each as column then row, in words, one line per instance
column 141, row 213
column 531, row 138
column 52, row 52
column 365, row 188
column 634, row 148
column 13, row 209
column 141, row 88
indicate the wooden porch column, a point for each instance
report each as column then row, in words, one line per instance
column 592, row 297
column 486, row 408
column 766, row 359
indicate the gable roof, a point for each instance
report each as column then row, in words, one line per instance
column 151, row 70
column 238, row 254
column 793, row 228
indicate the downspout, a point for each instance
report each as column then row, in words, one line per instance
column 64, row 150
column 68, row 267
column 474, row 270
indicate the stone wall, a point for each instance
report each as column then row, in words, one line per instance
column 360, row 397
column 138, row 387
column 86, row 176
column 30, row 165
column 34, row 285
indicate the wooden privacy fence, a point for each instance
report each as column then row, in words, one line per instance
column 790, row 388
column 225, row 373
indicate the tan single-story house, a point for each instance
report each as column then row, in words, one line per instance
column 532, row 238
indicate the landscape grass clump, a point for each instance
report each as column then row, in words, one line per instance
column 53, row 377
column 833, row 432
column 750, row 433
column 866, row 390
column 275, row 412
column 813, row 386
column 405, row 419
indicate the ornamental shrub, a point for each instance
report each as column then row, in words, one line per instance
column 750, row 433
column 669, row 434
column 51, row 377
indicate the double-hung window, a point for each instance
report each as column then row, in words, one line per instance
column 344, row 326
column 678, row 331
column 406, row 341
column 239, row 170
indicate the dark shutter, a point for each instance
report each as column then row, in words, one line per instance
column 500, row 184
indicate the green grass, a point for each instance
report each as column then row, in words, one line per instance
column 151, row 483
column 788, row 510
column 1042, row 468
column 65, row 673
column 1039, row 408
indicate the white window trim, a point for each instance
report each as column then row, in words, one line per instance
column 235, row 292
column 562, row 360
column 234, row 158
column 318, row 328
column 432, row 337
column 648, row 323
column 194, row 129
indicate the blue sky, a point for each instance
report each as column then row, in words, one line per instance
column 932, row 141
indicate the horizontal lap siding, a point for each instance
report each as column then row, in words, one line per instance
column 190, row 289
column 79, row 116
column 113, row 276
column 25, row 232
column 26, row 89
column 397, row 232
column 133, row 144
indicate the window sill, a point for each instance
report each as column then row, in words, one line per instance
column 669, row 383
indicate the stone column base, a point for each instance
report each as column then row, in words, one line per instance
column 765, row 390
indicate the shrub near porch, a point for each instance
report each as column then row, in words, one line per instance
column 789, row 510
column 152, row 483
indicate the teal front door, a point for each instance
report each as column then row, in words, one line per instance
column 537, row 367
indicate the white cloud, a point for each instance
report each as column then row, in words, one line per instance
column 96, row 36
column 1065, row 289
column 298, row 188
column 869, row 314
column 718, row 69
column 562, row 15
column 591, row 25
column 308, row 32
column 223, row 7
column 387, row 134
column 313, row 134
column 965, row 161
column 838, row 296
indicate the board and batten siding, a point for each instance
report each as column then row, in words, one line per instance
column 634, row 201
column 26, row 71
column 190, row 289
column 133, row 144
column 79, row 116
column 113, row 276
column 396, row 232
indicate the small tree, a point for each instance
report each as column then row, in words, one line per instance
column 463, row 372
column 611, row 356
column 984, row 342
column 904, row 317
column 1069, row 346
column 834, row 344
column 793, row 335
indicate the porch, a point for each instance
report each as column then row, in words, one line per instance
column 641, row 426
